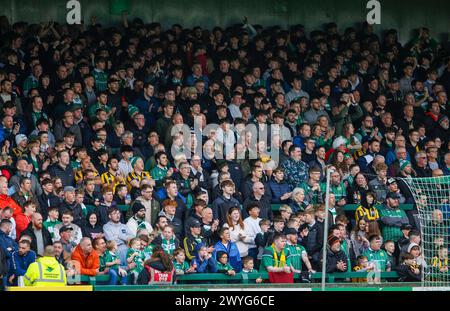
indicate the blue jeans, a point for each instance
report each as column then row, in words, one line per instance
column 114, row 275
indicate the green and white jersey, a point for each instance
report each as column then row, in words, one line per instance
column 50, row 226
column 379, row 257
column 147, row 252
column 180, row 268
column 296, row 252
column 223, row 267
column 110, row 257
column 274, row 259
column 138, row 260
column 339, row 191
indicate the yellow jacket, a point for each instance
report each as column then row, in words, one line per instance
column 45, row 272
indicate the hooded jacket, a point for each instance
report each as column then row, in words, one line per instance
column 88, row 264
column 204, row 266
column 234, row 258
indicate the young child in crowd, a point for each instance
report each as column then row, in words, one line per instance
column 440, row 262
column 113, row 261
column 180, row 264
column 249, row 267
column 222, row 264
column 264, row 225
column 362, row 265
column 135, row 258
column 203, row 261
column 389, row 247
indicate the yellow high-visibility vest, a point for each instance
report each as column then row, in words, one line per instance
column 45, row 272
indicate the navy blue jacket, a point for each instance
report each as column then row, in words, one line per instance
column 278, row 189
column 7, row 242
column 19, row 264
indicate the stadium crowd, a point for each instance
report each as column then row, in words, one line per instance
column 92, row 120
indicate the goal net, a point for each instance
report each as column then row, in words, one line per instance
column 432, row 197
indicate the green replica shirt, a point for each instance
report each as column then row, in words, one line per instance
column 103, row 261
column 313, row 197
column 111, row 257
column 379, row 257
column 138, row 260
column 296, row 251
column 147, row 252
column 180, row 268
column 92, row 110
column 274, row 259
column 168, row 246
column 158, row 174
column 392, row 220
column 101, row 80
column 50, row 226
column 339, row 191
column 223, row 267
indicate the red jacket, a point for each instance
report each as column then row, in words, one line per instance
column 22, row 222
column 88, row 265
column 8, row 201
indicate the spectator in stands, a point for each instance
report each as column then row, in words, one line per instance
column 24, row 218
column 230, row 248
column 40, row 237
column 392, row 218
column 92, row 229
column 69, row 204
column 116, row 231
column 7, row 244
column 337, row 260
column 295, row 169
column 67, row 221
column 85, row 258
column 138, row 222
column 377, row 256
column 280, row 189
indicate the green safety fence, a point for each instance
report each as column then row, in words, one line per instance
column 246, row 278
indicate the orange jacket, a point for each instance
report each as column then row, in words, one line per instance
column 87, row 265
column 7, row 201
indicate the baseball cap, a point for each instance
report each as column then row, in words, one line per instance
column 392, row 195
column 194, row 224
column 406, row 227
column 65, row 228
column 391, row 181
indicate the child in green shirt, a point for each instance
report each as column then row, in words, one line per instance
column 249, row 267
column 222, row 264
column 112, row 261
column 52, row 221
column 180, row 264
column 135, row 256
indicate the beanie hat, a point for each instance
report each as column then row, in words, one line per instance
column 132, row 110
column 133, row 161
column 339, row 141
column 332, row 240
column 403, row 164
column 19, row 138
column 137, row 206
